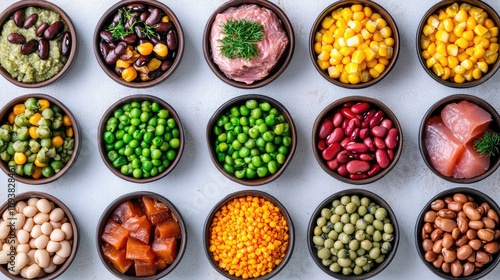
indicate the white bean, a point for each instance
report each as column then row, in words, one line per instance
column 36, row 231
column 68, row 230
column 57, row 235
column 46, row 228
column 64, row 220
column 33, row 271
column 19, row 220
column 20, row 206
column 8, row 214
column 6, row 247
column 4, row 229
column 41, row 218
column 20, row 261
column 42, row 258
column 41, row 241
column 56, row 215
column 23, row 236
column 32, row 243
column 28, row 224
column 4, row 258
column 51, row 268
column 32, row 201
column 31, row 256
column 53, row 246
column 24, row 271
column 23, row 248
column 44, row 206
column 57, row 260
column 55, row 224
column 30, row 211
column 65, row 250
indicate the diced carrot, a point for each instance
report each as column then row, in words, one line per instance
column 117, row 258
column 162, row 264
column 125, row 211
column 115, row 235
column 137, row 250
column 168, row 229
column 145, row 267
column 156, row 211
column 165, row 249
column 139, row 227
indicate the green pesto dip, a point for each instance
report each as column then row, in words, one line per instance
column 30, row 68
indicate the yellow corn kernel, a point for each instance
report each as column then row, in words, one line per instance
column 145, row 48
column 344, row 78
column 323, row 65
column 365, row 76
column 371, row 63
column 365, row 34
column 355, row 25
column 377, row 36
column 349, row 33
column 446, row 73
column 324, row 56
column 478, row 51
column 383, row 61
column 336, row 14
column 18, row 109
column 452, row 10
column 483, row 66
column 357, row 8
column 69, row 131
column 491, row 58
column 386, row 32
column 11, row 118
column 389, row 42
column 358, row 16
column 473, row 59
column 462, row 43
column 382, row 51
column 334, row 53
column 370, row 54
column 354, row 78
column 438, row 69
column 488, row 23
column 35, row 118
column 345, row 51
column 371, row 26
column 442, row 36
column 424, row 42
column 469, row 51
column 452, row 49
column 67, row 120
column 493, row 31
column 341, row 23
column 442, row 15
column 462, row 56
column 375, row 16
column 362, row 66
column 327, row 37
column 122, row 64
column 452, row 38
column 468, row 35
column 443, row 61
column 351, row 68
column 459, row 69
column 465, row 6
column 340, row 67
column 374, row 46
column 334, row 62
column 425, row 54
column 44, row 104
column 326, row 48
column 379, row 68
column 441, row 48
column 467, row 64
column 358, row 56
column 317, row 47
column 432, row 49
column 459, row 29
column 433, row 21
column 346, row 60
column 461, row 16
column 485, row 43
column 448, row 25
column 471, row 23
column 452, row 61
column 347, row 14
column 493, row 47
column 459, row 78
column 19, row 158
column 381, row 23
column 339, row 33
column 468, row 75
column 367, row 11
column 327, row 22
column 477, row 74
column 480, row 30
column 317, row 36
column 32, row 132
column 354, row 41
column 57, row 141
column 129, row 74
column 154, row 64
column 341, row 42
column 165, row 19
column 333, row 72
column 374, row 73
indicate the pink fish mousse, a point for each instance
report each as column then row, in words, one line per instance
column 270, row 48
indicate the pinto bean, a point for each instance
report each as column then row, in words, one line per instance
column 427, row 245
column 468, row 269
column 455, row 206
column 448, row 241
column 471, row 210
column 475, row 244
column 461, row 241
column 486, row 235
column 437, row 205
column 456, row 268
column 464, row 252
column 447, row 213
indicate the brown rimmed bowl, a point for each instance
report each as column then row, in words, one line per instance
column 102, row 128
column 479, row 198
column 347, row 3
column 182, row 243
column 328, row 113
column 107, row 18
column 492, row 14
column 4, row 113
column 5, row 16
column 435, row 110
column 327, row 203
column 242, row 195
column 281, row 64
column 212, row 137
column 74, row 246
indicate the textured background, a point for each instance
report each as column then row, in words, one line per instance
column 195, row 92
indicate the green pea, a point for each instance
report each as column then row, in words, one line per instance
column 321, row 221
column 357, row 270
column 365, row 201
column 171, row 123
column 374, row 253
column 354, row 245
column 370, row 229
column 335, row 267
column 250, row 144
column 251, row 104
column 325, row 212
column 273, row 167
column 334, row 218
column 333, row 235
column 338, row 244
column 338, row 227
column 361, row 224
column 368, row 218
column 344, row 262
column 378, row 225
column 250, row 173
column 327, row 262
column 342, row 253
column 262, row 171
column 175, row 143
column 324, row 253
column 380, row 214
column 360, row 235
column 366, row 245
column 228, row 168
column 112, row 155
column 270, row 147
column 137, row 173
column 164, row 114
column 340, row 210
column 345, row 218
column 387, row 237
column 244, row 152
column 318, row 240
column 348, row 228
column 235, row 112
column 377, row 236
column 260, row 142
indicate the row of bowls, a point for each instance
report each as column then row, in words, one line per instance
column 281, row 64
column 477, row 195
column 211, row 137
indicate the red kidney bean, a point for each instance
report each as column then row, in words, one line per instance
column 366, row 157
column 374, row 170
column 360, row 107
column 364, row 133
column 120, row 48
column 333, row 164
column 137, row 7
column 368, row 116
column 345, row 122
column 379, row 143
column 345, row 142
column 144, row 16
column 391, row 141
column 348, row 104
column 118, row 71
column 66, row 44
column 338, row 119
column 154, row 17
column 19, row 18
column 172, row 42
column 111, row 57
column 130, row 39
column 353, row 123
column 390, row 153
column 382, row 158
column 16, row 38
column 355, row 134
column 325, row 129
column 346, row 112
column 377, row 118
column 331, row 152
column 387, row 123
column 321, row 145
column 379, row 131
column 41, row 28
column 360, row 176
column 163, row 27
column 344, row 156
column 369, row 144
column 336, row 136
column 29, row 47
column 357, row 166
column 342, row 170
column 54, row 30
column 30, row 21
column 165, row 65
column 141, row 61
column 104, row 48
column 106, row 36
column 43, row 49
column 356, row 147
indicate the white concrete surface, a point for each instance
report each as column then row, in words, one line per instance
column 195, row 92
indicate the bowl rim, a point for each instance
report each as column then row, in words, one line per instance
column 385, row 15
column 180, row 43
column 244, row 193
column 242, row 99
column 76, row 136
column 373, row 198
column 102, row 128
column 356, row 98
column 283, row 61
column 476, row 194
column 4, row 16
column 74, row 226
column 106, row 215
column 491, row 14
column 440, row 104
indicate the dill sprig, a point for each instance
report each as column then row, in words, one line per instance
column 489, row 145
column 119, row 31
column 241, row 37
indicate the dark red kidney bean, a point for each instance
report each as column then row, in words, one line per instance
column 345, row 122
column 172, row 43
column 156, row 39
column 163, row 27
column 19, row 18
column 165, row 65
column 379, row 131
column 154, row 17
column 355, row 134
column 144, row 16
column 345, row 142
column 390, row 153
column 346, row 112
column 120, row 48
column 336, row 136
column 130, row 39
column 391, row 141
column 141, row 61
column 29, row 47
column 106, row 36
column 369, row 144
column 348, row 104
column 382, row 158
column 353, row 123
column 117, row 18
column 379, row 143
column 366, row 157
column 338, row 119
column 130, row 21
column 112, row 45
column 66, row 44
column 377, row 118
column 43, row 49
column 356, row 148
column 111, row 58
column 155, row 74
column 325, row 129
column 41, row 28
column 54, row 30
column 364, row 133
column 374, row 170
column 137, row 7
column 344, row 156
column 16, row 38
column 368, row 116
column 342, row 170
column 104, row 48
column 387, row 123
column 360, row 176
column 331, row 152
column 139, row 32
column 360, row 107
column 332, row 164
column 30, row 21
column 321, row 145
column 118, row 71
column 357, row 166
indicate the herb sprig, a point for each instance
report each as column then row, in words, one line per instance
column 241, row 37
column 119, row 31
column 489, row 145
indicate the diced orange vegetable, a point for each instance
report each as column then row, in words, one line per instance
column 37, row 173
column 157, row 211
column 57, row 141
column 145, row 267
column 44, row 104
column 11, row 117
column 165, row 249
column 139, row 227
column 39, row 164
column 168, row 229
column 117, row 258
column 115, row 235
column 18, row 109
column 66, row 120
column 137, row 250
column 162, row 264
column 35, row 118
column 125, row 211
column 19, row 158
column 69, row 132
